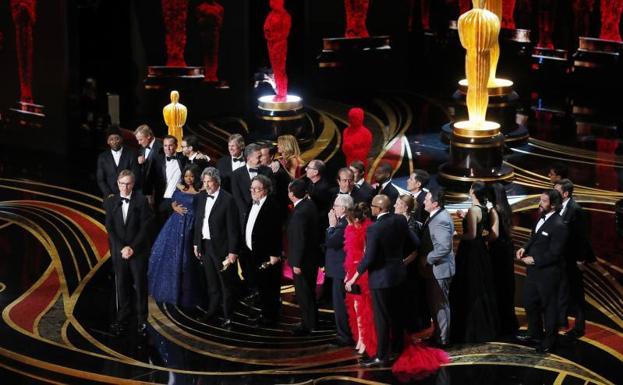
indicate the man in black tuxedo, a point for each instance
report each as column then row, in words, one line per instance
column 388, row 241
column 578, row 250
column 557, row 171
column 151, row 148
column 110, row 162
column 319, row 188
column 415, row 184
column 128, row 222
column 217, row 243
column 334, row 265
column 346, row 186
column 167, row 174
column 365, row 190
column 304, row 253
column 263, row 241
column 231, row 162
column 543, row 255
column 383, row 177
column 190, row 150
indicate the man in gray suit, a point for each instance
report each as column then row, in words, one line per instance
column 437, row 262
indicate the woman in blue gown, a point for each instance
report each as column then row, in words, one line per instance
column 174, row 274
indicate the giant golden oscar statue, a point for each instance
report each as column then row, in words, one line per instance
column 175, row 116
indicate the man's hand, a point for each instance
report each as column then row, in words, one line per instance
column 127, row 252
column 274, row 260
column 196, row 251
column 150, row 200
column 460, row 214
column 297, row 270
column 520, row 253
column 410, row 258
column 141, row 159
column 178, row 208
column 332, row 218
column 232, row 258
column 528, row 260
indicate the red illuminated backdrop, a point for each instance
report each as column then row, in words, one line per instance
column 356, row 14
column 276, row 31
column 24, row 17
column 610, row 19
column 210, row 21
column 175, row 13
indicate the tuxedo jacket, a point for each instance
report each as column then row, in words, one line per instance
column 392, row 193
column 160, row 175
column 421, row 215
column 224, row 167
column 135, row 232
column 388, row 241
column 546, row 246
column 334, row 253
column 147, row 171
column 436, row 246
column 320, row 194
column 240, row 184
column 366, row 192
column 107, row 170
column 303, row 237
column 201, row 163
column 266, row 236
column 223, row 222
column 578, row 247
column 356, row 194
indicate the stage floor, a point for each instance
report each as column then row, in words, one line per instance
column 56, row 283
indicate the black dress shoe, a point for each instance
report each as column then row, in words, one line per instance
column 574, row 333
column 142, row 328
column 526, row 338
column 373, row 363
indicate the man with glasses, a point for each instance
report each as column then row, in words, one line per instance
column 262, row 238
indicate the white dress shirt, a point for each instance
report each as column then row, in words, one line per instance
column 205, row 228
column 116, row 155
column 148, row 150
column 124, row 207
column 237, row 164
column 359, row 182
column 542, row 221
column 255, row 210
column 174, row 174
column 252, row 174
column 564, row 206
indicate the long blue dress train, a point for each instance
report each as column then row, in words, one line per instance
column 174, row 274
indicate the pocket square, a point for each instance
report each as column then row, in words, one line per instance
column 544, row 233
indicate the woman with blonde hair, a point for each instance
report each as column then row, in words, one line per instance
column 289, row 156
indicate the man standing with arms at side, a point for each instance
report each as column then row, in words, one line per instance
column 216, row 243
column 437, row 263
column 304, row 253
column 168, row 173
column 110, row 162
column 151, row 147
column 232, row 161
column 128, row 221
column 543, row 254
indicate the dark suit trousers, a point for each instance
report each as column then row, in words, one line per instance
column 269, row 289
column 387, row 321
column 541, row 302
column 576, row 303
column 305, row 288
column 221, row 285
column 339, row 310
column 130, row 273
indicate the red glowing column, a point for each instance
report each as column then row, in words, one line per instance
column 508, row 19
column 356, row 14
column 610, row 19
column 174, row 13
column 24, row 17
column 210, row 21
column 276, row 31
column 546, row 17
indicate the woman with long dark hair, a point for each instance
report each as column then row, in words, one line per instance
column 472, row 296
column 174, row 275
column 502, row 255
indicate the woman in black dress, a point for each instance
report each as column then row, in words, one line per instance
column 472, row 296
column 502, row 255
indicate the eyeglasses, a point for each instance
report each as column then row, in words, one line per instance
column 256, row 189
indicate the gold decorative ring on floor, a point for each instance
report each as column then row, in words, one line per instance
column 2, row 287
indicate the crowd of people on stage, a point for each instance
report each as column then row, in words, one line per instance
column 389, row 262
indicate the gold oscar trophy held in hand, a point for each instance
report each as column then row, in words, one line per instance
column 175, row 114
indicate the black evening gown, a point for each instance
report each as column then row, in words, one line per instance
column 474, row 314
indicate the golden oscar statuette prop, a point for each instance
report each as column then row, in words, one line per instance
column 476, row 145
column 175, row 114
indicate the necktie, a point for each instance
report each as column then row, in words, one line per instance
column 169, row 158
column 343, row 193
column 237, row 159
column 253, row 170
column 125, row 200
column 211, row 196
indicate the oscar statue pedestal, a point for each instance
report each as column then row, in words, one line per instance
column 516, row 58
column 475, row 154
column 286, row 117
column 593, row 53
column 503, row 104
column 26, row 114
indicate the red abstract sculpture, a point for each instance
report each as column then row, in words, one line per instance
column 610, row 19
column 210, row 21
column 174, row 13
column 508, row 20
column 276, row 30
column 24, row 17
column 582, row 10
column 356, row 14
column 357, row 139
column 546, row 17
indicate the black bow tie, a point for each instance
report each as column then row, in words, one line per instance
column 148, row 148
column 543, row 216
column 253, row 170
column 210, row 196
column 343, row 193
column 256, row 203
column 237, row 159
column 125, row 200
column 171, row 158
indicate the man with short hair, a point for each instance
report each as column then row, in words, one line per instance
column 346, row 186
column 319, row 190
column 128, row 221
column 543, row 254
column 557, row 171
column 217, row 243
column 110, row 162
column 365, row 190
column 578, row 250
column 168, row 173
column 190, row 149
column 227, row 164
column 416, row 184
column 304, row 254
column 383, row 177
column 436, row 260
column 262, row 238
column 151, row 148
